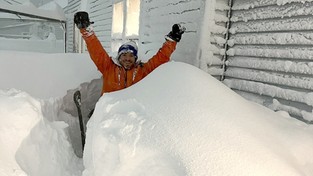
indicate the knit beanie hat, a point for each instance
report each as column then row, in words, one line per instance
column 129, row 47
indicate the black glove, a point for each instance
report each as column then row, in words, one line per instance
column 176, row 33
column 81, row 19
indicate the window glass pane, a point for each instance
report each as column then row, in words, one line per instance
column 118, row 18
column 132, row 24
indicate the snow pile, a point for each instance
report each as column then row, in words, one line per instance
column 49, row 45
column 45, row 75
column 181, row 121
column 29, row 143
column 177, row 121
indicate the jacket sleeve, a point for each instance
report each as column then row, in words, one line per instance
column 97, row 53
column 162, row 56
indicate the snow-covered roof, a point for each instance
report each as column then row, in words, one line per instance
column 30, row 11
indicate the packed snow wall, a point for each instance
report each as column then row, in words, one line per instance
column 270, row 54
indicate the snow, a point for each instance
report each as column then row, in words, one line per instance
column 30, row 144
column 49, row 45
column 177, row 121
column 202, row 128
column 203, row 54
column 247, row 4
column 26, row 71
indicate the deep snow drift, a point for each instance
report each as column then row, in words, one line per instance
column 29, row 143
column 45, row 76
column 181, row 121
column 177, row 121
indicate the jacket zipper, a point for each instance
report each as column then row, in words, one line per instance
column 125, row 78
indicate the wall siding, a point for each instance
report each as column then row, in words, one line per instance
column 72, row 7
column 218, row 38
column 270, row 54
column 101, row 13
column 156, row 20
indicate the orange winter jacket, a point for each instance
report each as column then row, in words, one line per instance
column 115, row 77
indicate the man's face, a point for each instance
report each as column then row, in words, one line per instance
column 127, row 60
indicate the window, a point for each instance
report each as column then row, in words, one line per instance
column 118, row 19
column 132, row 23
column 125, row 25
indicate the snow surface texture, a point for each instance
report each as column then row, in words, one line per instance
column 177, row 121
column 54, row 78
column 29, row 143
column 45, row 75
column 49, row 45
column 181, row 121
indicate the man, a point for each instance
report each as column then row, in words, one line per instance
column 124, row 70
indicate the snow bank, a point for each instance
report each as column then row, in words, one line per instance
column 177, row 121
column 45, row 75
column 30, row 144
column 46, row 46
column 181, row 121
column 14, row 129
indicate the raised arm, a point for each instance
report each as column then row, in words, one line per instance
column 169, row 46
column 162, row 56
column 97, row 53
